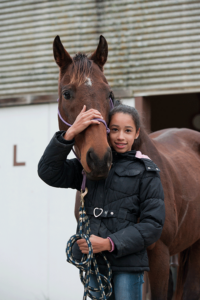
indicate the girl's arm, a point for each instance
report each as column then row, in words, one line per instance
column 152, row 215
column 57, row 171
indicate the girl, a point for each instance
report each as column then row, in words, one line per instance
column 132, row 190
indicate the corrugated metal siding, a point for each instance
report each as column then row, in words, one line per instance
column 27, row 31
column 160, row 46
column 154, row 46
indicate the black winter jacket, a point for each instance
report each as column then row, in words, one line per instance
column 132, row 190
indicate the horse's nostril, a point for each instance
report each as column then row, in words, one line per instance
column 90, row 156
column 91, row 159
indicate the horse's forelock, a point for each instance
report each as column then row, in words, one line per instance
column 81, row 68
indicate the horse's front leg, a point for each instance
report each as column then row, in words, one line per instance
column 159, row 271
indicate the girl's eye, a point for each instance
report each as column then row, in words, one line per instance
column 128, row 130
column 67, row 95
column 114, row 129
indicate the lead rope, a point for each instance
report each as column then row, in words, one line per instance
column 88, row 259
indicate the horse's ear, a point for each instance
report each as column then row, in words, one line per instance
column 62, row 57
column 101, row 53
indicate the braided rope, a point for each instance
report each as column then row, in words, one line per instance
column 89, row 259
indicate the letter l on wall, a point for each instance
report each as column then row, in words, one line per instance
column 15, row 163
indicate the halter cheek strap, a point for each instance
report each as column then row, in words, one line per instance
column 107, row 130
column 100, row 120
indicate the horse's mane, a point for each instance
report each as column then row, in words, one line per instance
column 81, row 68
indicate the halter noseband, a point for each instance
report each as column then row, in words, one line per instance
column 100, row 120
column 107, row 130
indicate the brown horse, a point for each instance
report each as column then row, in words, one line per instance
column 175, row 151
column 81, row 81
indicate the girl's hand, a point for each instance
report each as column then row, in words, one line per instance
column 83, row 120
column 98, row 244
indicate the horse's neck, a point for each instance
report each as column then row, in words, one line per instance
column 148, row 146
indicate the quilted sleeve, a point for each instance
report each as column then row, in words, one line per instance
column 55, row 169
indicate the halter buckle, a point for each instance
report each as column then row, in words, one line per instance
column 101, row 211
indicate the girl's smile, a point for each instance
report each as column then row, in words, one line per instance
column 120, row 145
column 122, row 132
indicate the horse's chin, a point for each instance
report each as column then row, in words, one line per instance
column 96, row 176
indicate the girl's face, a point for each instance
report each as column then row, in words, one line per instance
column 122, row 132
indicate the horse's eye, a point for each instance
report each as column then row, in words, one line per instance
column 67, row 95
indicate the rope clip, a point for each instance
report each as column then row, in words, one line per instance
column 83, row 194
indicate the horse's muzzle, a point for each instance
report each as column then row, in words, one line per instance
column 99, row 167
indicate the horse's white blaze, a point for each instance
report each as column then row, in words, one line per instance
column 88, row 81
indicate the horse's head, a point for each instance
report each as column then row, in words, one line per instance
column 81, row 81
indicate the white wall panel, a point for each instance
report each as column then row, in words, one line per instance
column 35, row 220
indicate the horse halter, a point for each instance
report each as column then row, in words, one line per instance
column 100, row 120
column 107, row 130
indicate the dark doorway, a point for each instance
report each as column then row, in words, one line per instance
column 178, row 110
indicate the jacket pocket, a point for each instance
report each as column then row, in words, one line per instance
column 126, row 181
